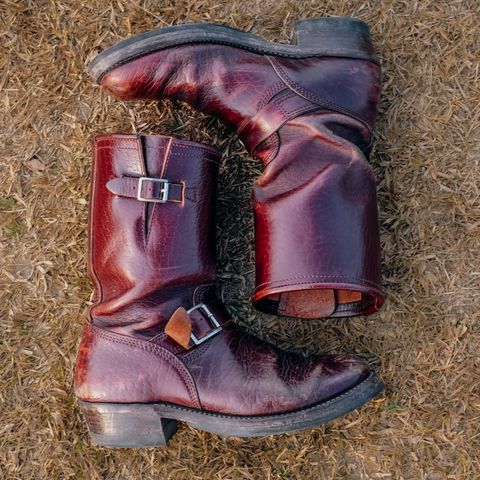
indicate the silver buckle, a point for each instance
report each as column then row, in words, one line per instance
column 213, row 322
column 163, row 191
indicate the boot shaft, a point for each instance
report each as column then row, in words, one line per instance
column 151, row 233
column 317, row 243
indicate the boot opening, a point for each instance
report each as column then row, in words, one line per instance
column 317, row 303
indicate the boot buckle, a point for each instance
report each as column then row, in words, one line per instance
column 213, row 321
column 163, row 198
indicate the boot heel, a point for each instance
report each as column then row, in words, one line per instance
column 127, row 425
column 330, row 33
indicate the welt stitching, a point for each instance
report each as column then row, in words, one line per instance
column 349, row 53
column 155, row 349
column 281, row 415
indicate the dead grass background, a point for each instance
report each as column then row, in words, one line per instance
column 425, row 341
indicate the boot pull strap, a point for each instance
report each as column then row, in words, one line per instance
column 147, row 189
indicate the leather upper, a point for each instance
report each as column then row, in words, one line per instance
column 310, row 121
column 154, row 262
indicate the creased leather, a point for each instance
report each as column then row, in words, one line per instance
column 151, row 263
column 310, row 121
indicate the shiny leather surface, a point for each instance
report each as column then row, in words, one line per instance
column 146, row 261
column 121, row 369
column 239, row 374
column 310, row 121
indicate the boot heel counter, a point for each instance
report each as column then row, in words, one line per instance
column 343, row 85
column 118, row 369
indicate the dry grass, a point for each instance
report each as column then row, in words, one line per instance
column 427, row 338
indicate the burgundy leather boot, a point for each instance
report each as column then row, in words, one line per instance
column 306, row 110
column 158, row 345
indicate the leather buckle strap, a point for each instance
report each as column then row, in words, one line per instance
column 147, row 189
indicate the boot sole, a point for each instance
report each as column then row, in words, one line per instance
column 137, row 425
column 332, row 37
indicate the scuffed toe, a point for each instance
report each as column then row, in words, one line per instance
column 338, row 373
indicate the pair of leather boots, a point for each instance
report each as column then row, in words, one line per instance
column 159, row 346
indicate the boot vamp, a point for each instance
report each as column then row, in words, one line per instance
column 236, row 373
column 225, row 81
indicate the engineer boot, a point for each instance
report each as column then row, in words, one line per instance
column 158, row 345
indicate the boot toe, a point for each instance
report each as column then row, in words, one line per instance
column 121, row 83
column 338, row 374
